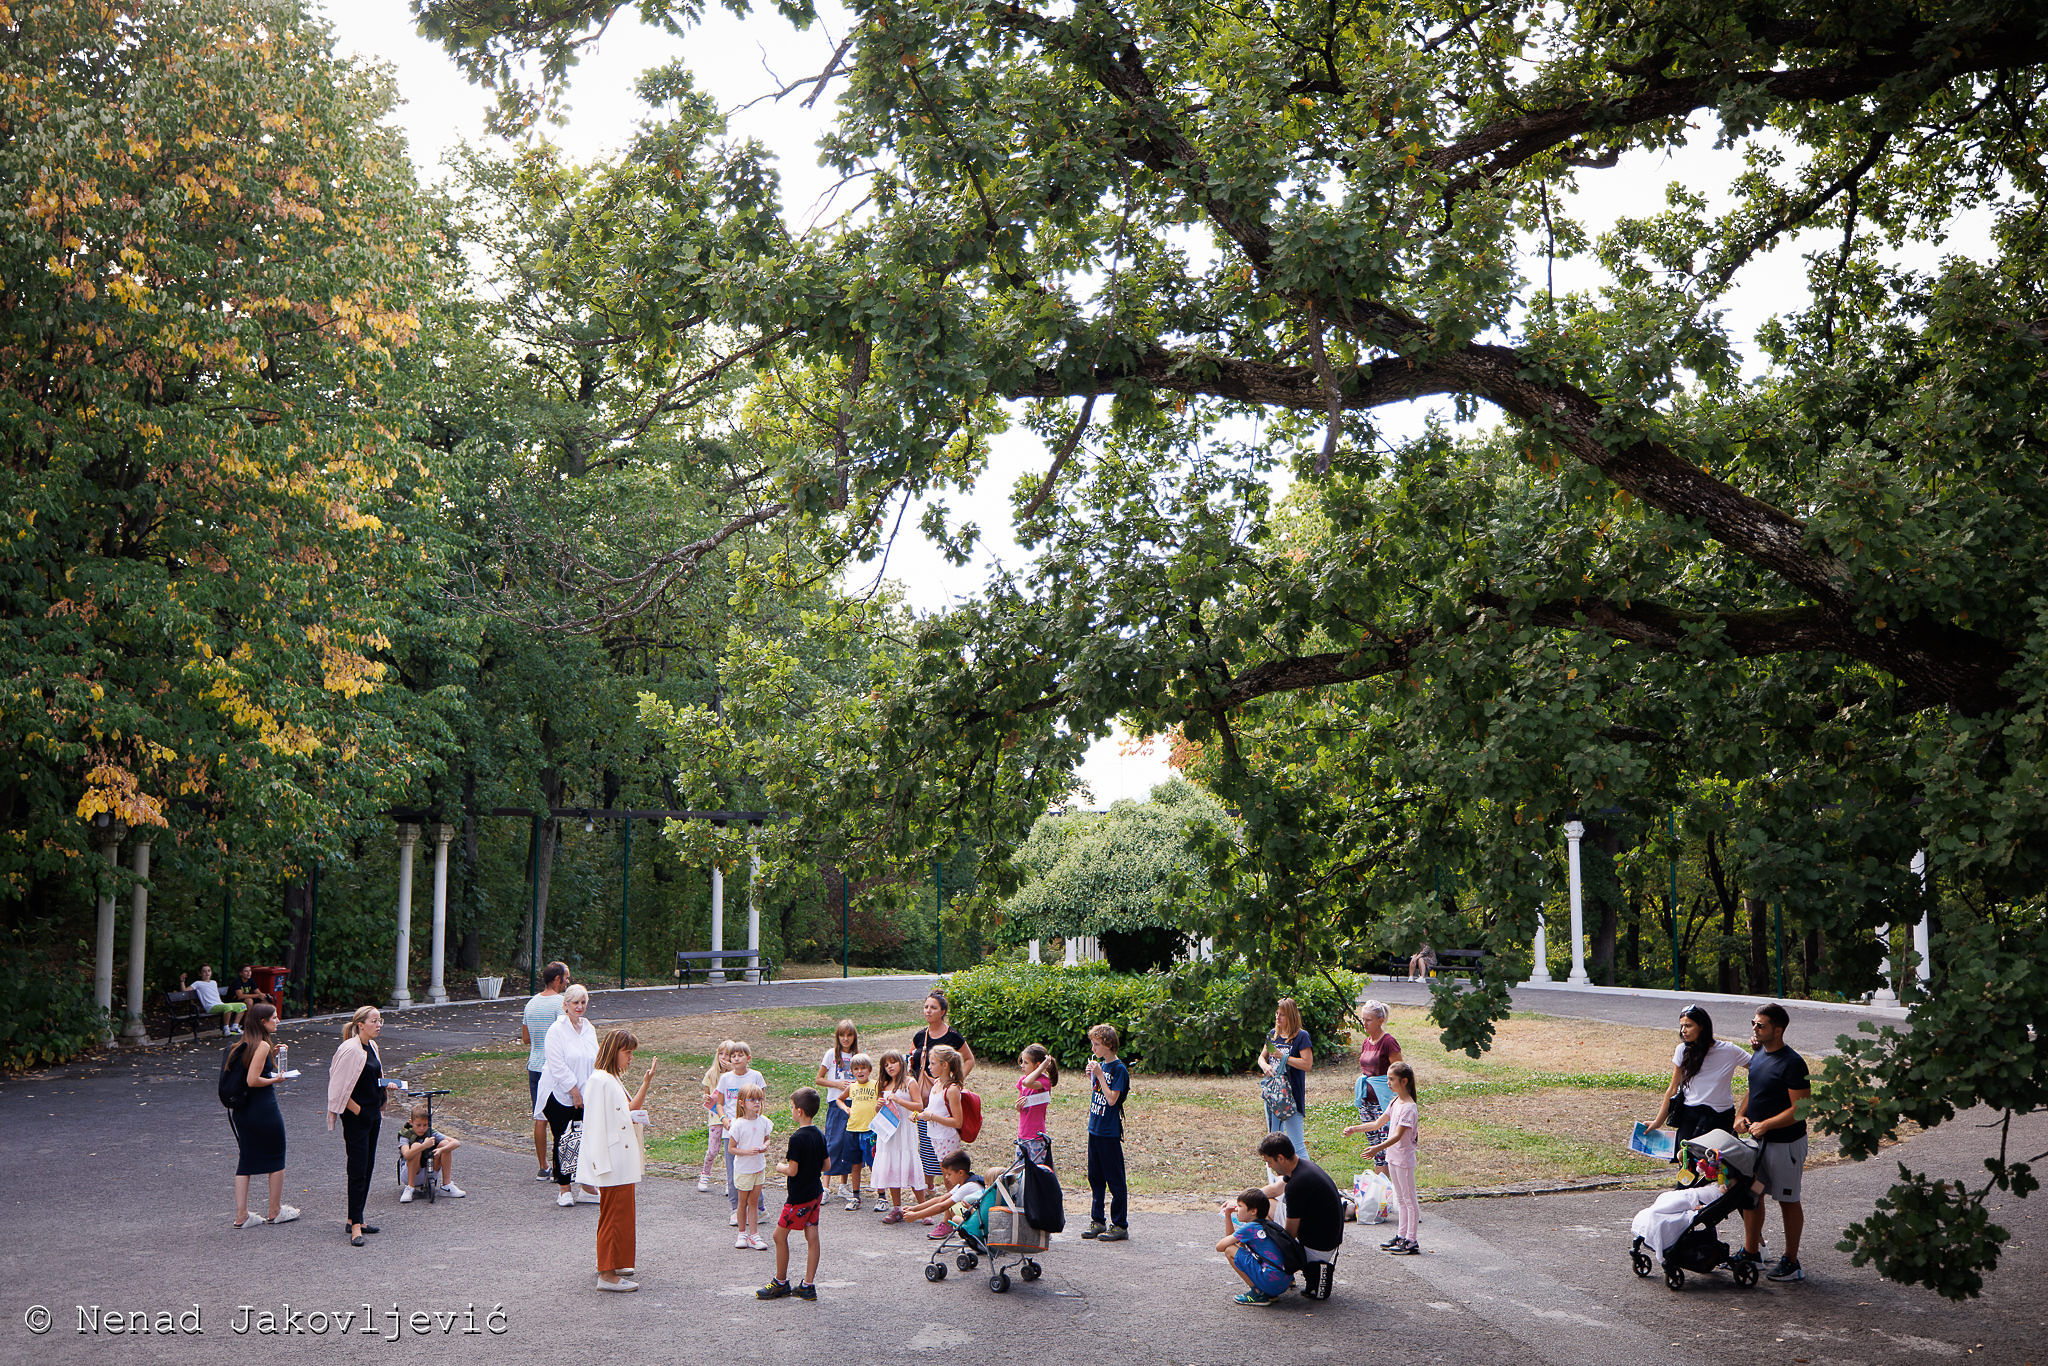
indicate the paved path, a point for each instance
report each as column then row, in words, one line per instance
column 122, row 1201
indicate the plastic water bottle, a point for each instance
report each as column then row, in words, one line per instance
column 283, row 1063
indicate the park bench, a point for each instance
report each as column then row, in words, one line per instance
column 705, row 961
column 1448, row 963
column 186, row 1013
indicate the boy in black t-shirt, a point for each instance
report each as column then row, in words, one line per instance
column 804, row 1166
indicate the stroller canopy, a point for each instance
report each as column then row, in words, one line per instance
column 1738, row 1155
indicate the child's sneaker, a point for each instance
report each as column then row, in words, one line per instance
column 1115, row 1233
column 806, row 1291
column 405, row 1195
column 942, row 1232
column 894, row 1216
column 703, row 1184
column 755, row 1242
column 733, row 1220
column 1254, row 1297
column 1786, row 1270
column 881, row 1206
column 1392, row 1243
column 853, row 1202
column 1407, row 1249
column 1094, row 1229
column 739, row 1240
column 453, row 1191
column 774, row 1290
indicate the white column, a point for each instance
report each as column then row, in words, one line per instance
column 408, row 836
column 1073, row 944
column 1920, row 930
column 1034, row 950
column 754, row 916
column 103, row 947
column 138, row 924
column 1574, row 831
column 717, row 973
column 437, row 989
column 1208, row 950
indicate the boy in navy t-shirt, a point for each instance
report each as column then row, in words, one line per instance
column 1109, row 1082
column 1251, row 1250
column 803, row 1166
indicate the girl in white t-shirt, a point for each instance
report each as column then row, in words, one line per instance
column 1402, row 1122
column 739, row 1074
column 1701, row 1097
column 835, row 1074
column 746, row 1137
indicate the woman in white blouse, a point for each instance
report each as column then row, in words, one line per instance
column 1701, row 1097
column 571, row 1053
column 611, row 1157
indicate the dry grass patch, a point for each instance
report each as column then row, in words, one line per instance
column 1552, row 1102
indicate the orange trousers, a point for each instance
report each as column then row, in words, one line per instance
column 615, row 1227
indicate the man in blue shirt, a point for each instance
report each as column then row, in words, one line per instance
column 1109, row 1082
column 1770, row 1114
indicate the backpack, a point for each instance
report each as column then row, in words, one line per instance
column 1292, row 1258
column 234, row 1081
column 970, row 1116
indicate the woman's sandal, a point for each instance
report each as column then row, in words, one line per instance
column 355, row 1240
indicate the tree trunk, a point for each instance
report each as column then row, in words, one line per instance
column 553, row 790
column 298, row 900
column 1605, row 887
column 1759, row 914
column 1635, row 936
column 1813, row 963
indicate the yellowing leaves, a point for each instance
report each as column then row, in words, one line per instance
column 112, row 789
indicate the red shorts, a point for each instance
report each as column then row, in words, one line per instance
column 800, row 1217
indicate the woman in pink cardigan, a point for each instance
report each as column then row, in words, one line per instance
column 355, row 1096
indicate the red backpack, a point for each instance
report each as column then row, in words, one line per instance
column 970, row 1116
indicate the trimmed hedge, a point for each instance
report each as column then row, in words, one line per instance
column 1195, row 1019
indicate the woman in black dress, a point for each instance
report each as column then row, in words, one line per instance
column 936, row 1033
column 259, row 1126
column 355, row 1097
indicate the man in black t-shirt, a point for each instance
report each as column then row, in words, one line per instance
column 1315, row 1211
column 1770, row 1114
column 804, row 1166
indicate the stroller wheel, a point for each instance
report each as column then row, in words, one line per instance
column 1674, row 1277
column 1032, row 1271
column 1000, row 1282
column 936, row 1271
column 967, row 1261
column 1640, row 1259
column 1745, row 1273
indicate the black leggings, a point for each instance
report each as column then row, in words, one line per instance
column 359, row 1138
column 558, row 1117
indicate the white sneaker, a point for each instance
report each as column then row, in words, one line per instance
column 740, row 1240
column 853, row 1202
column 285, row 1214
column 703, row 1184
column 754, row 1241
column 881, row 1207
column 621, row 1284
column 454, row 1190
column 584, row 1197
column 733, row 1220
column 405, row 1196
column 565, row 1199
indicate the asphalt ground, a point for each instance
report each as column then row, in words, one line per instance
column 124, row 1196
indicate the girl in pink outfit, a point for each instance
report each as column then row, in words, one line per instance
column 1401, row 1123
column 1041, row 1074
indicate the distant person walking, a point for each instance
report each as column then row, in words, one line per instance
column 1771, row 1112
column 259, row 1125
column 1285, row 1062
column 355, row 1097
column 542, row 1009
column 1701, row 1096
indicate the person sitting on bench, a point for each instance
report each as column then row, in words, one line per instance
column 208, row 992
column 244, row 988
column 420, row 1143
column 1422, row 963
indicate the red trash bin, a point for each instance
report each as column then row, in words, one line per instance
column 270, row 981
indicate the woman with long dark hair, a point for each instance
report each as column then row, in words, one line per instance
column 937, row 1033
column 259, row 1125
column 1701, row 1096
column 355, row 1097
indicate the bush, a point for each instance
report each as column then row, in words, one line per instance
column 1197, row 1019
column 46, row 1019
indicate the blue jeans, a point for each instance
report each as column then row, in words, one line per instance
column 1291, row 1126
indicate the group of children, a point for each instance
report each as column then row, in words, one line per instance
column 895, row 1134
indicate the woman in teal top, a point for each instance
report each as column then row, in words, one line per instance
column 542, row 1010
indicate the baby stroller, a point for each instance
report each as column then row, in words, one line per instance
column 1681, row 1226
column 429, row 1183
column 1015, row 1219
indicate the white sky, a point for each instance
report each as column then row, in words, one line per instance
column 741, row 61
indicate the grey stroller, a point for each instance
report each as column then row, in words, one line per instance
column 1696, row 1245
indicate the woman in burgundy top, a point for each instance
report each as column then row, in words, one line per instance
column 1376, row 1054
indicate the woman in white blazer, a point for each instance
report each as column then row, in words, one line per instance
column 611, row 1157
column 571, row 1050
